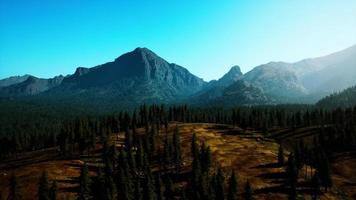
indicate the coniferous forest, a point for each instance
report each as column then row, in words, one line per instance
column 141, row 153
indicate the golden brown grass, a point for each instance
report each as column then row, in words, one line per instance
column 248, row 153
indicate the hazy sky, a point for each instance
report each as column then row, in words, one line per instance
column 47, row 38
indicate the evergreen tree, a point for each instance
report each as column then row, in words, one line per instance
column 14, row 193
column 315, row 185
column 53, row 191
column 43, row 187
column 232, row 189
column 167, row 152
column 84, row 183
column 219, row 188
column 110, row 186
column 149, row 189
column 140, row 155
column 98, row 187
column 248, row 194
column 158, row 185
column 325, row 173
column 138, row 192
column 168, row 192
column 177, row 157
column 292, row 177
column 194, row 146
column 125, row 184
column 280, row 155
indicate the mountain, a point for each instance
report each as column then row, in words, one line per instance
column 215, row 88
column 241, row 93
column 230, row 91
column 141, row 76
column 231, row 76
column 275, row 81
column 330, row 73
column 12, row 80
column 134, row 78
column 308, row 79
column 31, row 86
column 344, row 99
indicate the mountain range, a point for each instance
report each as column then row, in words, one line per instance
column 141, row 76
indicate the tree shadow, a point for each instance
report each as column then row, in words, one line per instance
column 272, row 189
column 71, row 189
column 348, row 183
column 274, row 175
column 268, row 165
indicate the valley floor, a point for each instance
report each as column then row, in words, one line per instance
column 252, row 156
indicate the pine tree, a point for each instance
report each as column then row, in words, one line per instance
column 168, row 192
column 128, row 139
column 167, row 152
column 292, row 177
column 177, row 157
column 84, row 183
column 196, row 173
column 280, row 155
column 138, row 192
column 219, row 188
column 205, row 158
column 98, row 187
column 325, row 173
column 149, row 189
column 140, row 155
column 53, row 191
column 232, row 190
column 315, row 185
column 194, row 146
column 158, row 184
column 110, row 186
column 14, row 193
column 248, row 191
column 124, row 184
column 43, row 187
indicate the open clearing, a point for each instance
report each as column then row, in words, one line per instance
column 248, row 153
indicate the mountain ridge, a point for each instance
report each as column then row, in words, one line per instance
column 143, row 76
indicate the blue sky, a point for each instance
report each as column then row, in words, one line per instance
column 46, row 38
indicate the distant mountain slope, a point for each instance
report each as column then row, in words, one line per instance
column 275, row 81
column 329, row 73
column 31, row 86
column 133, row 78
column 12, row 80
column 346, row 98
column 241, row 93
column 215, row 88
column 308, row 79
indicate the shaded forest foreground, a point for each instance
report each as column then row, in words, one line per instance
column 225, row 152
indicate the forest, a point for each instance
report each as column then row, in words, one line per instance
column 148, row 164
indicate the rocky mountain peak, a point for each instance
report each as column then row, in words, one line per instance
column 231, row 76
